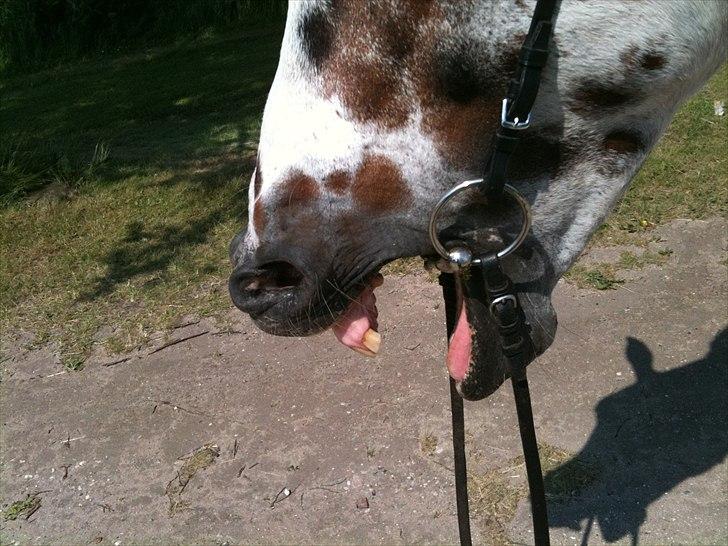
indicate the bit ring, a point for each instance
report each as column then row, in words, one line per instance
column 509, row 190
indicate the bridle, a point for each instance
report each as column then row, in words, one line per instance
column 482, row 276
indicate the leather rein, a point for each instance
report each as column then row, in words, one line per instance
column 482, row 278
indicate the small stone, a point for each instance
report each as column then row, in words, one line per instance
column 719, row 107
column 362, row 503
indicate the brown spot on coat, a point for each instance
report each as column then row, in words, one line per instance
column 462, row 132
column 259, row 219
column 592, row 96
column 623, row 142
column 257, row 179
column 372, row 93
column 370, row 46
column 338, row 182
column 633, row 58
column 620, row 147
column 317, row 33
column 298, row 190
column 463, row 105
column 652, row 61
column 537, row 155
column 379, row 186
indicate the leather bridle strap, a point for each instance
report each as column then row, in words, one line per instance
column 488, row 283
column 517, row 348
column 520, row 97
column 447, row 281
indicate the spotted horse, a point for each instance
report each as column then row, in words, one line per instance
column 379, row 107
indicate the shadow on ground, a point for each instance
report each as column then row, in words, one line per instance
column 649, row 438
column 144, row 250
column 180, row 125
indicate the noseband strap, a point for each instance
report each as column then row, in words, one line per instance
column 486, row 281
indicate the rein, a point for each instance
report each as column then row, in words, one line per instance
column 483, row 279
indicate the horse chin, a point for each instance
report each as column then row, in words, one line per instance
column 477, row 369
column 475, row 360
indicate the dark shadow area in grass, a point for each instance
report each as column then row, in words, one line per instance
column 193, row 108
column 650, row 437
column 185, row 118
column 145, row 250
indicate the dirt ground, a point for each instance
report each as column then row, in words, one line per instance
column 235, row 437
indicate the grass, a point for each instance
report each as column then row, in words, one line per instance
column 600, row 276
column 152, row 161
column 199, row 459
column 494, row 496
column 428, row 443
column 604, row 275
column 123, row 179
column 26, row 507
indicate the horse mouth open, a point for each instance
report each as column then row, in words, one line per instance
column 460, row 346
column 357, row 327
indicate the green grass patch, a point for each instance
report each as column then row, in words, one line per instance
column 145, row 162
column 630, row 260
column 600, row 276
column 605, row 276
column 25, row 508
column 494, row 496
column 428, row 443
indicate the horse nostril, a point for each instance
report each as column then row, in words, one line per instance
column 256, row 290
column 272, row 276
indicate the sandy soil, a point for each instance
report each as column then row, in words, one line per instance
column 318, row 445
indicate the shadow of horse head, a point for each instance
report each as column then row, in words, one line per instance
column 649, row 438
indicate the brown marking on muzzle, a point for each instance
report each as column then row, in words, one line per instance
column 338, row 182
column 379, row 186
column 298, row 190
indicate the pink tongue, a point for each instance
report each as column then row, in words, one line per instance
column 354, row 324
column 458, row 353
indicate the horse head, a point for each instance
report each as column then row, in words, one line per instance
column 379, row 107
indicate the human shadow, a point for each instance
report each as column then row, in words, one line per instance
column 649, row 438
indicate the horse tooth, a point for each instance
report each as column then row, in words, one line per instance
column 371, row 341
column 363, row 351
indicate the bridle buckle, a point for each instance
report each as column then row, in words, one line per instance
column 516, row 124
